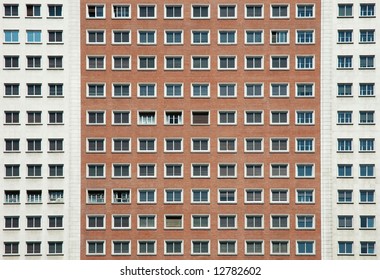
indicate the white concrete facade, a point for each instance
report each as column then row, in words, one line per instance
column 45, row 65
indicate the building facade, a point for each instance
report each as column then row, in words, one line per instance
column 40, row 120
column 200, row 130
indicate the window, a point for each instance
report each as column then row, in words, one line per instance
column 253, row 90
column 254, row 247
column 367, row 196
column 55, row 117
column 33, row 10
column 200, row 221
column 345, row 145
column 226, row 145
column 367, row 61
column 33, row 248
column 147, row 37
column 344, row 170
column 147, row 221
column 95, row 222
column 120, row 145
column 55, row 90
column 173, row 145
column 305, row 222
column 95, row 62
column 55, row 62
column 305, row 145
column 200, row 247
column 279, row 90
column 227, row 90
column 55, row 170
column 11, row 62
column 146, row 90
column 147, row 196
column 121, row 37
column 305, row 62
column 345, row 10
column 95, row 170
column 173, row 37
column 344, row 89
column 279, row 37
column 305, row 248
column 173, row 247
column 367, row 10
column 367, row 222
column 279, row 145
column 173, row 196
column 305, row 117
column 55, row 248
column 95, row 248
column 55, row 36
column 279, row 118
column 279, row 196
column 33, row 36
column 34, row 170
column 121, row 248
column 12, row 196
column 146, row 145
column 34, row 90
column 344, row 61
column 147, row 63
column 367, row 248
column 254, row 11
column 227, row 170
column 147, row 11
column 12, row 90
column 344, row 117
column 12, row 117
column 146, row 247
column 253, row 145
column 200, row 145
column 305, row 11
column 344, row 36
column 305, row 36
column 173, row 170
column 305, row 196
column 95, row 11
column 227, row 11
column 55, row 196
column 227, row 37
column 279, row 247
column 227, row 196
column 55, row 10
column 367, row 117
column 95, row 196
column 12, row 145
column 34, row 145
column 11, row 248
column 254, row 221
column 11, row 10
column 200, row 170
column 95, row 118
column 33, row 222
column 121, row 11
column 279, row 221
column 227, row 247
column 345, row 247
column 366, row 89
column 173, row 11
column 200, row 90
column 121, row 118
column 121, row 90
column 254, row 37
column 147, row 170
column 121, row 63
column 11, row 222
column 227, row 62
column 95, row 90
column 199, row 118
column 173, row 221
column 121, row 171
column 227, row 118
column 367, row 36
column 173, row 63
column 200, row 63
column 12, row 170
column 227, row 221
column 366, row 145
column 279, row 62
column 279, row 11
column 11, row 36
column 147, row 118
column 253, row 62
column 254, row 196
column 345, row 222
column 200, row 37
column 200, row 196
column 367, row 170
column 345, row 196
column 200, row 11
column 121, row 222
column 173, row 90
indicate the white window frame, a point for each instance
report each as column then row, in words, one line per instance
column 147, row 177
column 254, row 202
column 121, row 30
column 146, row 202
column 200, row 202
column 121, row 5
column 173, row 30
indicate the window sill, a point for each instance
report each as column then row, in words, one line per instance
column 15, row 177
column 9, row 68
column 54, row 43
column 11, row 229
column 33, row 96
column 53, row 255
column 55, row 228
column 12, row 203
column 33, row 177
column 52, row 202
column 33, row 255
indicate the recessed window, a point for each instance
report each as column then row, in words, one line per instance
column 279, row 37
column 121, row 11
column 345, row 10
column 173, row 222
column 344, row 196
column 227, row 63
column 304, row 145
column 254, row 196
column 344, row 117
column 173, row 170
column 146, row 196
column 95, row 247
column 254, row 221
column 200, row 145
column 121, row 247
column 254, row 118
column 95, row 62
column 227, row 196
column 305, row 11
column 254, row 62
column 121, row 222
column 11, row 62
column 366, row 89
column 344, row 61
column 199, row 118
column 55, row 36
column 199, row 170
column 11, row 90
column 367, row 61
column 173, row 63
column 147, row 62
column 200, row 196
column 34, row 145
column 367, row 10
column 120, row 170
column 279, row 62
column 11, row 10
column 227, row 11
column 173, row 90
column 146, row 11
column 173, row 11
column 279, row 196
column 366, row 145
column 56, row 196
column 146, row 145
column 121, row 63
column 11, row 196
column 344, row 89
column 227, row 170
column 279, row 11
column 120, row 90
column 254, row 11
column 227, row 247
column 121, row 37
column 304, row 90
column 227, row 221
column 146, row 247
column 345, row 247
column 254, row 145
column 200, row 11
column 12, row 171
column 200, row 90
column 55, row 145
column 279, row 221
column 95, row 118
column 367, row 170
column 254, row 37
column 173, row 247
column 305, row 222
column 33, row 222
column 279, row 90
column 200, row 37
column 344, row 170
column 200, row 63
column 95, row 11
column 345, row 36
column 367, row 222
column 55, row 10
column 33, row 10
column 34, row 170
column 367, row 248
column 227, row 145
column 146, row 90
column 55, row 117
column 34, row 90
column 11, row 36
column 366, row 117
column 95, row 222
column 146, row 170
column 11, row 222
column 254, row 170
column 367, row 196
column 367, row 36
column 279, row 247
column 173, row 196
column 173, row 37
column 279, row 118
column 121, row 118
column 227, row 90
column 95, row 170
column 12, row 145
column 11, row 248
column 253, row 90
column 200, row 221
column 227, row 37
column 305, row 62
column 146, row 118
column 146, row 221
column 147, row 37
column 305, row 248
column 173, row 145
column 227, row 118
column 305, row 117
column 305, row 36
column 33, row 248
column 345, row 222
column 255, row 247
column 56, row 170
column 305, row 196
